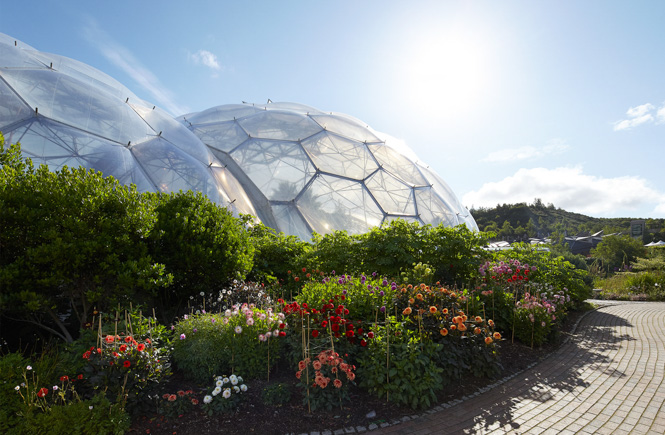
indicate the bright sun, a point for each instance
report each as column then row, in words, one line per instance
column 447, row 75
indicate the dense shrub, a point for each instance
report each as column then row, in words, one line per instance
column 201, row 244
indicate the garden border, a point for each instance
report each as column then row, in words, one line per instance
column 449, row 404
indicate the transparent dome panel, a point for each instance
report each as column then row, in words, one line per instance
column 12, row 109
column 14, row 57
column 346, row 127
column 290, row 222
column 270, row 124
column 398, row 165
column 223, row 136
column 441, row 187
column 294, row 107
column 72, row 102
column 234, row 190
column 432, row 210
column 57, row 145
column 337, row 155
column 85, row 73
column 172, row 170
column 228, row 112
column 173, row 131
column 392, row 194
column 332, row 203
column 279, row 169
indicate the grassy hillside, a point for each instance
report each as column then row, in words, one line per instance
column 522, row 220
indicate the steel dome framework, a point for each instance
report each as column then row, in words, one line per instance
column 297, row 169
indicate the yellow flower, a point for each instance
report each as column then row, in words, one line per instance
column 444, row 331
column 432, row 309
column 497, row 336
column 488, row 340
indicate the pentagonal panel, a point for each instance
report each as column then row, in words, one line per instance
column 337, row 155
column 279, row 169
column 393, row 195
column 12, row 109
column 432, row 210
column 346, row 126
column 331, row 203
column 273, row 124
column 222, row 136
column 57, row 145
column 398, row 165
column 289, row 221
column 172, row 170
column 70, row 101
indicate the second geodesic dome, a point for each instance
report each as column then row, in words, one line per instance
column 307, row 170
column 298, row 169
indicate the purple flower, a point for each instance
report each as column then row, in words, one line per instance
column 381, row 293
column 183, row 336
column 383, row 309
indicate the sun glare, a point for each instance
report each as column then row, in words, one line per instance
column 447, row 75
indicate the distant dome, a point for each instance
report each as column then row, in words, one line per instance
column 297, row 169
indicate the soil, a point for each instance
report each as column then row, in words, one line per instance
column 253, row 416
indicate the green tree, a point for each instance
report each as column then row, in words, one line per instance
column 201, row 244
column 70, row 241
column 615, row 252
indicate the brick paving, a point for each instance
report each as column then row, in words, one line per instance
column 608, row 378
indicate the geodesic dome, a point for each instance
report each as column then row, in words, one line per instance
column 307, row 170
column 297, row 169
column 64, row 112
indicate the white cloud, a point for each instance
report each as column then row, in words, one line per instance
column 206, row 58
column 570, row 189
column 126, row 61
column 637, row 115
column 554, row 146
column 660, row 115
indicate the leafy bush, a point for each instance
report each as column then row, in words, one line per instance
column 275, row 254
column 71, row 240
column 201, row 244
column 276, row 395
column 242, row 338
column 174, row 405
column 403, row 371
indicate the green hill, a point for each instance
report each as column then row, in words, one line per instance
column 521, row 221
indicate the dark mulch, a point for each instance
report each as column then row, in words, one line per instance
column 255, row 417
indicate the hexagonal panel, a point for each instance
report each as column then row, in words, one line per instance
column 337, row 155
column 279, row 169
column 432, row 210
column 223, row 136
column 398, row 165
column 393, row 195
column 346, row 126
column 12, row 109
column 331, row 203
column 279, row 125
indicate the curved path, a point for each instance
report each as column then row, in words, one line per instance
column 608, row 378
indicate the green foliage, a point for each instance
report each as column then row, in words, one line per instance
column 410, row 376
column 97, row 415
column 276, row 395
column 275, row 254
column 71, row 240
column 127, row 370
column 174, row 405
column 208, row 344
column 362, row 296
column 201, row 244
column 615, row 252
column 552, row 270
column 419, row 273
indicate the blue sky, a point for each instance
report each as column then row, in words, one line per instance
column 507, row 100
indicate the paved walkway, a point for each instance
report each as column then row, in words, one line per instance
column 609, row 378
